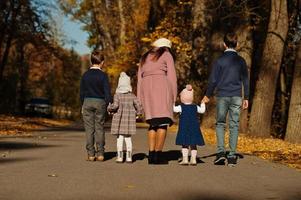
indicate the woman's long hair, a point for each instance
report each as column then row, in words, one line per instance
column 157, row 54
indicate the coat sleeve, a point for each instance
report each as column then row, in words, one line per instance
column 107, row 89
column 171, row 75
column 202, row 108
column 138, row 106
column 115, row 105
column 177, row 109
column 81, row 91
column 139, row 83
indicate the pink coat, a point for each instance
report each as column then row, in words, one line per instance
column 157, row 86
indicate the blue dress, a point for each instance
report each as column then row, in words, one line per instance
column 189, row 132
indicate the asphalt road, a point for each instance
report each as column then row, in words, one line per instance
column 51, row 165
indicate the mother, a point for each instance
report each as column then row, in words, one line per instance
column 157, row 91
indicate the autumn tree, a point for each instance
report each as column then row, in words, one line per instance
column 294, row 118
column 29, row 53
column 261, row 113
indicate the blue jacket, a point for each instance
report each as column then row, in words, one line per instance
column 229, row 73
column 95, row 84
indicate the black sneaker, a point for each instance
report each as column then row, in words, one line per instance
column 220, row 158
column 232, row 161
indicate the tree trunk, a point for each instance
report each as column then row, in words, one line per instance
column 200, row 39
column 22, row 71
column 261, row 113
column 210, row 114
column 157, row 11
column 283, row 92
column 293, row 133
column 3, row 26
column 122, row 22
column 11, row 29
column 103, row 21
column 245, row 50
column 5, row 56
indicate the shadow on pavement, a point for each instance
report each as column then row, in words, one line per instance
column 13, row 160
column 109, row 155
column 201, row 196
column 241, row 156
column 172, row 155
column 294, row 196
column 5, row 145
column 139, row 156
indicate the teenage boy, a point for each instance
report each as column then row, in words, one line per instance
column 228, row 74
column 95, row 94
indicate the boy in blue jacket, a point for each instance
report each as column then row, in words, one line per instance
column 228, row 75
column 95, row 94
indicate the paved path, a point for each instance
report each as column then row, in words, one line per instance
column 52, row 166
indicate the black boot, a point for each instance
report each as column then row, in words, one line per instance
column 151, row 155
column 159, row 158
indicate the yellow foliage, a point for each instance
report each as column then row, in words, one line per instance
column 10, row 125
column 272, row 149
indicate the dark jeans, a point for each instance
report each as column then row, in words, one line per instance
column 232, row 106
column 93, row 112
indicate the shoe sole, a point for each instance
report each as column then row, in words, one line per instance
column 231, row 165
column 100, row 159
column 220, row 161
column 90, row 159
column 184, row 164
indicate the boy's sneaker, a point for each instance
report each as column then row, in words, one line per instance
column 100, row 158
column 91, row 158
column 232, row 161
column 220, row 158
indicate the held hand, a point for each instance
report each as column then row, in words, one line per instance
column 245, row 104
column 205, row 99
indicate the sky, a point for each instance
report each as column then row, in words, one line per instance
column 70, row 29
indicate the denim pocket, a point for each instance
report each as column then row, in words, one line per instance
column 236, row 101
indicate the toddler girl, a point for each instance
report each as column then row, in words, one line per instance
column 189, row 133
column 124, row 107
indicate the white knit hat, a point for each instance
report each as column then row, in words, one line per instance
column 162, row 42
column 124, row 83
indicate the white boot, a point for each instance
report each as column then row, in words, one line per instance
column 129, row 157
column 193, row 157
column 185, row 157
column 129, row 149
column 119, row 158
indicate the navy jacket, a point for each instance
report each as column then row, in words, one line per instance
column 95, row 84
column 229, row 73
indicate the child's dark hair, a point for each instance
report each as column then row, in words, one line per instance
column 230, row 39
column 97, row 57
